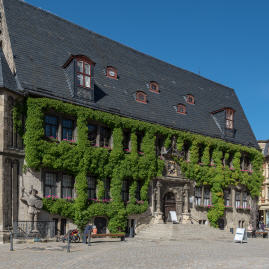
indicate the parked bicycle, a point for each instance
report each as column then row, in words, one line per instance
column 74, row 236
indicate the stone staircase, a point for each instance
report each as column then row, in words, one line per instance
column 183, row 232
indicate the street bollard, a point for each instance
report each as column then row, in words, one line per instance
column 68, row 242
column 89, row 238
column 11, row 241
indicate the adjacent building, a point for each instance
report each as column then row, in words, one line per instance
column 264, row 197
column 111, row 136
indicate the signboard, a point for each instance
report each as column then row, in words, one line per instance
column 173, row 216
column 240, row 235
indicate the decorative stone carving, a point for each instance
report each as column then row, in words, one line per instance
column 159, row 214
column 186, row 198
column 171, row 168
column 179, row 201
column 34, row 204
column 186, row 215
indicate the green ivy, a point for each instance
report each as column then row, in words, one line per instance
column 81, row 159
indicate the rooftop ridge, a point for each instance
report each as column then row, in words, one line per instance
column 118, row 43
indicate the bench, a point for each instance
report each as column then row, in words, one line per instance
column 261, row 234
column 121, row 236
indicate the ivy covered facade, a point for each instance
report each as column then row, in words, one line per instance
column 117, row 146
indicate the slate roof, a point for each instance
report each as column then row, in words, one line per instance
column 42, row 43
column 7, row 80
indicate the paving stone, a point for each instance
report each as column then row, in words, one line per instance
column 137, row 253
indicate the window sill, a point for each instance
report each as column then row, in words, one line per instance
column 242, row 209
column 203, row 207
column 52, row 139
column 71, row 142
column 104, row 201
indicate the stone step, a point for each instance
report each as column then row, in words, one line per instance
column 182, row 232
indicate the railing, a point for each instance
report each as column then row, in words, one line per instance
column 194, row 219
column 29, row 229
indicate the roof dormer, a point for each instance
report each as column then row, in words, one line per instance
column 79, row 70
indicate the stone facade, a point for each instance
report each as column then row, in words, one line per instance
column 169, row 192
column 174, row 192
column 264, row 197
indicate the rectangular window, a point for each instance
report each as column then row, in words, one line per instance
column 87, row 82
column 87, row 69
column 80, row 66
column 105, row 135
column 186, row 151
column 229, row 118
column 126, row 140
column 138, row 190
column 139, row 141
column 51, row 126
column 50, row 184
column 237, row 199
column 227, row 199
column 92, row 134
column 107, row 188
column 67, row 129
column 206, row 196
column 125, row 190
column 159, row 144
column 84, row 74
column 67, row 186
column 91, row 187
column 244, row 199
column 198, row 195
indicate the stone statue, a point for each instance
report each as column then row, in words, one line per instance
column 34, row 204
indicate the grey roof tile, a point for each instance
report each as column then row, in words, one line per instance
column 42, row 43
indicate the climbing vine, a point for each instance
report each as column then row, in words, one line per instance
column 81, row 159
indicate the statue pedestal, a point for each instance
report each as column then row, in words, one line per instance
column 186, row 218
column 158, row 218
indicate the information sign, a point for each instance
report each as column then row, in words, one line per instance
column 173, row 216
column 240, row 235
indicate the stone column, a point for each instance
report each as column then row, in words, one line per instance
column 186, row 219
column 186, row 198
column 159, row 214
column 179, row 203
column 15, row 190
column 158, row 196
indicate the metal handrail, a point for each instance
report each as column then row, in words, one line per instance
column 194, row 219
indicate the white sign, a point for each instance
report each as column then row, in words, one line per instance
column 173, row 216
column 240, row 235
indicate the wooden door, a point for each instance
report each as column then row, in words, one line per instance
column 169, row 204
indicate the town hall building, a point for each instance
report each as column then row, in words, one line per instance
column 93, row 131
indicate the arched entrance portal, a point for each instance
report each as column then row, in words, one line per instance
column 101, row 224
column 169, row 204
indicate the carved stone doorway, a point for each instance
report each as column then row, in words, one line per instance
column 169, row 204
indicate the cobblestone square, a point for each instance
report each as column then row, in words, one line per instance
column 136, row 253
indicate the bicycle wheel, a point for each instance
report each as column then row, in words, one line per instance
column 75, row 238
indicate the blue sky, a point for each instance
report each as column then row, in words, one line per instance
column 225, row 40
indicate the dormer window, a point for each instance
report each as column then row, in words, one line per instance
column 154, row 87
column 229, row 118
column 190, row 99
column 111, row 72
column 181, row 109
column 141, row 97
column 84, row 73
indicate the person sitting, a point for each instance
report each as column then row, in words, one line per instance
column 262, row 226
column 250, row 230
column 94, row 229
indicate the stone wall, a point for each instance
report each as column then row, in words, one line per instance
column 5, row 40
